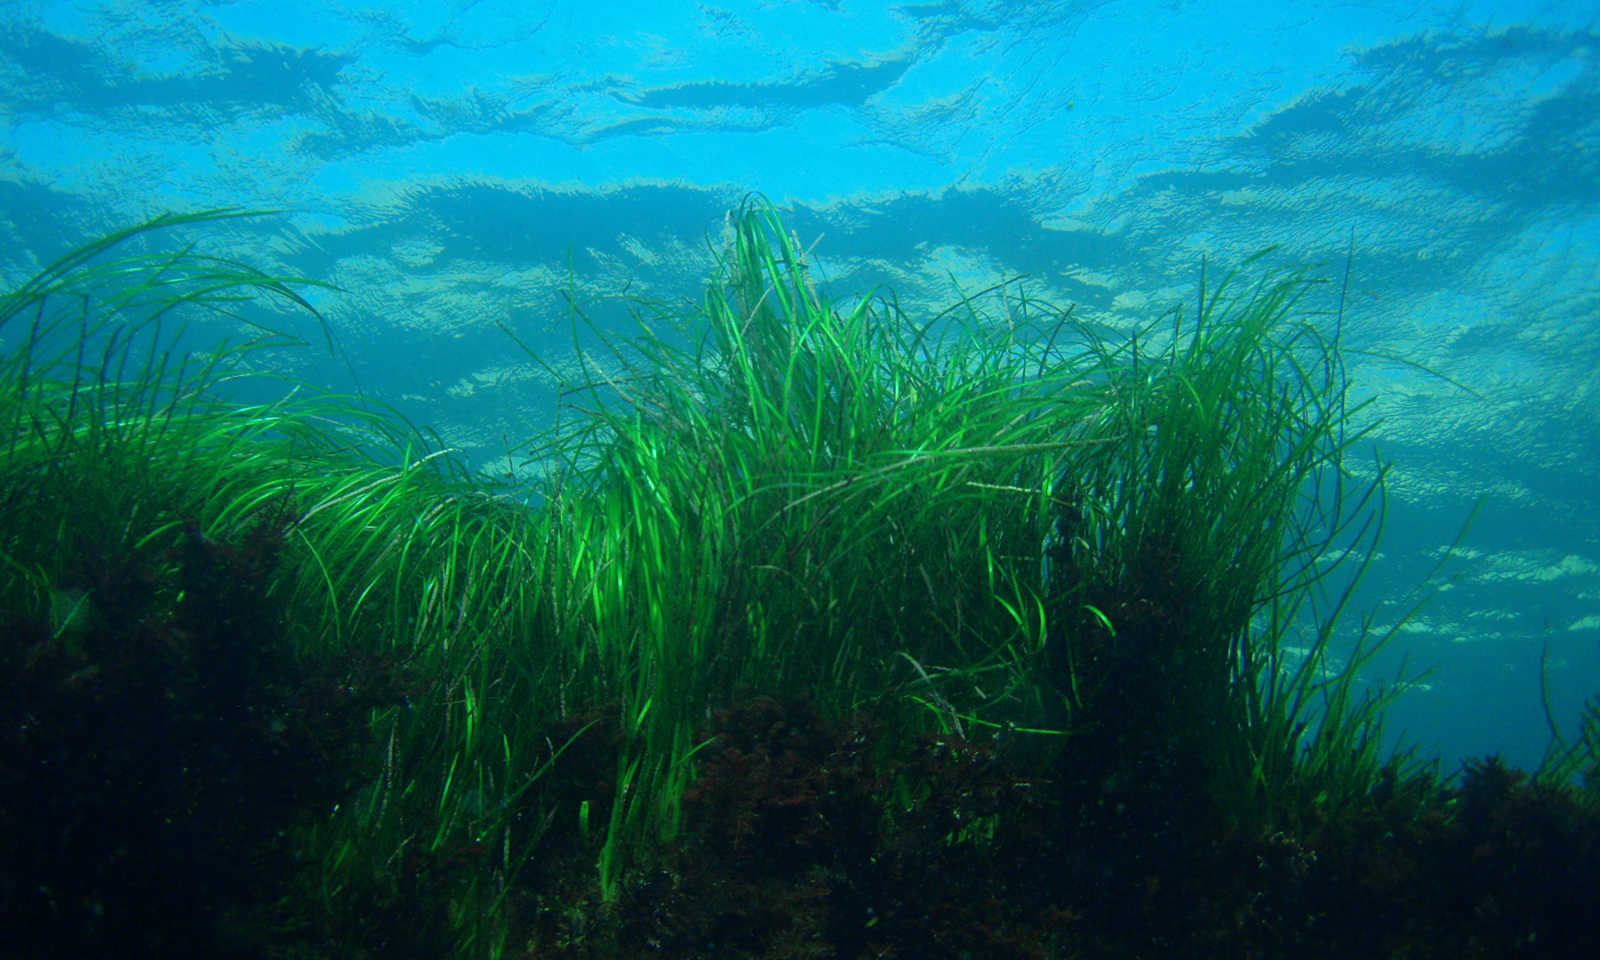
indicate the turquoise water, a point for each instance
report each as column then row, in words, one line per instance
column 452, row 165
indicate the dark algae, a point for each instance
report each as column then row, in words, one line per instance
column 801, row 842
column 826, row 631
column 160, row 746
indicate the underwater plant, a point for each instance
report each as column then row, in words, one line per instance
column 802, row 497
column 187, row 569
column 831, row 628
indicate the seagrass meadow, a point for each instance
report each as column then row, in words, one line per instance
column 827, row 631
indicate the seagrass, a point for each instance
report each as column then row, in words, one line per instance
column 942, row 519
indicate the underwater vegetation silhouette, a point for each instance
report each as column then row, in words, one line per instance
column 831, row 631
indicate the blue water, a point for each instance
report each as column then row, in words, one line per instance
column 452, row 165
